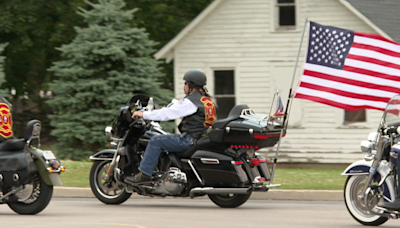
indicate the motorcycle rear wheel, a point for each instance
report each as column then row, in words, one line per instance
column 356, row 206
column 229, row 200
column 110, row 192
column 36, row 196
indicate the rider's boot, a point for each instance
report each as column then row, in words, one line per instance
column 139, row 178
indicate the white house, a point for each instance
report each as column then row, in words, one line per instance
column 248, row 49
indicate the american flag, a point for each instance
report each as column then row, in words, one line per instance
column 349, row 70
column 279, row 107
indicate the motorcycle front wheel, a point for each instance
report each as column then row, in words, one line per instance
column 33, row 198
column 229, row 200
column 357, row 206
column 110, row 191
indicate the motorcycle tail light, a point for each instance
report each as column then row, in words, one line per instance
column 244, row 147
column 237, row 162
column 254, row 161
column 261, row 179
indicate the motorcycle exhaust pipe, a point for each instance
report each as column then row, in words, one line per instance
column 210, row 190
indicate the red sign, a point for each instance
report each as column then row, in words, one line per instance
column 209, row 111
column 5, row 121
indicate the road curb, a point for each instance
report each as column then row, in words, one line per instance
column 273, row 194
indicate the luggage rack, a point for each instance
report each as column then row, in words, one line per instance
column 250, row 115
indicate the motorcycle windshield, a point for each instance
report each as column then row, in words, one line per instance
column 391, row 116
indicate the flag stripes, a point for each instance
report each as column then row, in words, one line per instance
column 369, row 77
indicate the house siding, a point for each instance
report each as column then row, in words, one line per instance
column 240, row 35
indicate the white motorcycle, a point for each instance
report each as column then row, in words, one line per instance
column 373, row 180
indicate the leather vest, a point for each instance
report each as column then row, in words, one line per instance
column 197, row 124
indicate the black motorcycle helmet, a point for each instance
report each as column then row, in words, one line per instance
column 195, row 78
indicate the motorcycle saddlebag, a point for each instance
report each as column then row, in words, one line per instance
column 242, row 132
column 218, row 169
column 16, row 168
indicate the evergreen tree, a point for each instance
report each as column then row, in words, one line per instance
column 107, row 62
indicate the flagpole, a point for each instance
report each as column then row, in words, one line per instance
column 286, row 116
column 273, row 99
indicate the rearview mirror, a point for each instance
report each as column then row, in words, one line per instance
column 108, row 131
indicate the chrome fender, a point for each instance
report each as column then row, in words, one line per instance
column 363, row 167
column 360, row 167
column 103, row 155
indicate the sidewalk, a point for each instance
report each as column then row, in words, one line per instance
column 273, row 194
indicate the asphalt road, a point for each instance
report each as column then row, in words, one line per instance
column 185, row 213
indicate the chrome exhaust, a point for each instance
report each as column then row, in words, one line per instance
column 210, row 190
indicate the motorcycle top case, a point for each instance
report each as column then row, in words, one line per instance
column 16, row 168
column 245, row 132
column 216, row 169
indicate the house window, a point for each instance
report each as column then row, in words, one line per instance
column 286, row 14
column 224, row 92
column 354, row 116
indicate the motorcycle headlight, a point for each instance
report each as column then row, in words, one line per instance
column 366, row 146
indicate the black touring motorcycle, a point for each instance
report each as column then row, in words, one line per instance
column 223, row 165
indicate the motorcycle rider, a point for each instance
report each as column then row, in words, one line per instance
column 197, row 112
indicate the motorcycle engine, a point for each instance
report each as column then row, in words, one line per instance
column 171, row 183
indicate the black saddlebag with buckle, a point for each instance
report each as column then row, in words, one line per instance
column 16, row 168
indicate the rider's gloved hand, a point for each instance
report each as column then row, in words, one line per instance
column 137, row 113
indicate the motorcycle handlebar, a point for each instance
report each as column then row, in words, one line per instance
column 137, row 120
column 392, row 130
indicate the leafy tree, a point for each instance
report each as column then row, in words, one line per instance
column 2, row 46
column 2, row 80
column 33, row 29
column 106, row 63
column 164, row 19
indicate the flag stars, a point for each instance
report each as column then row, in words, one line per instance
column 328, row 46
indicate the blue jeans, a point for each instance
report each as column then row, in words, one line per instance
column 159, row 143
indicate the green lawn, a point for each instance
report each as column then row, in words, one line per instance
column 77, row 175
column 310, row 178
